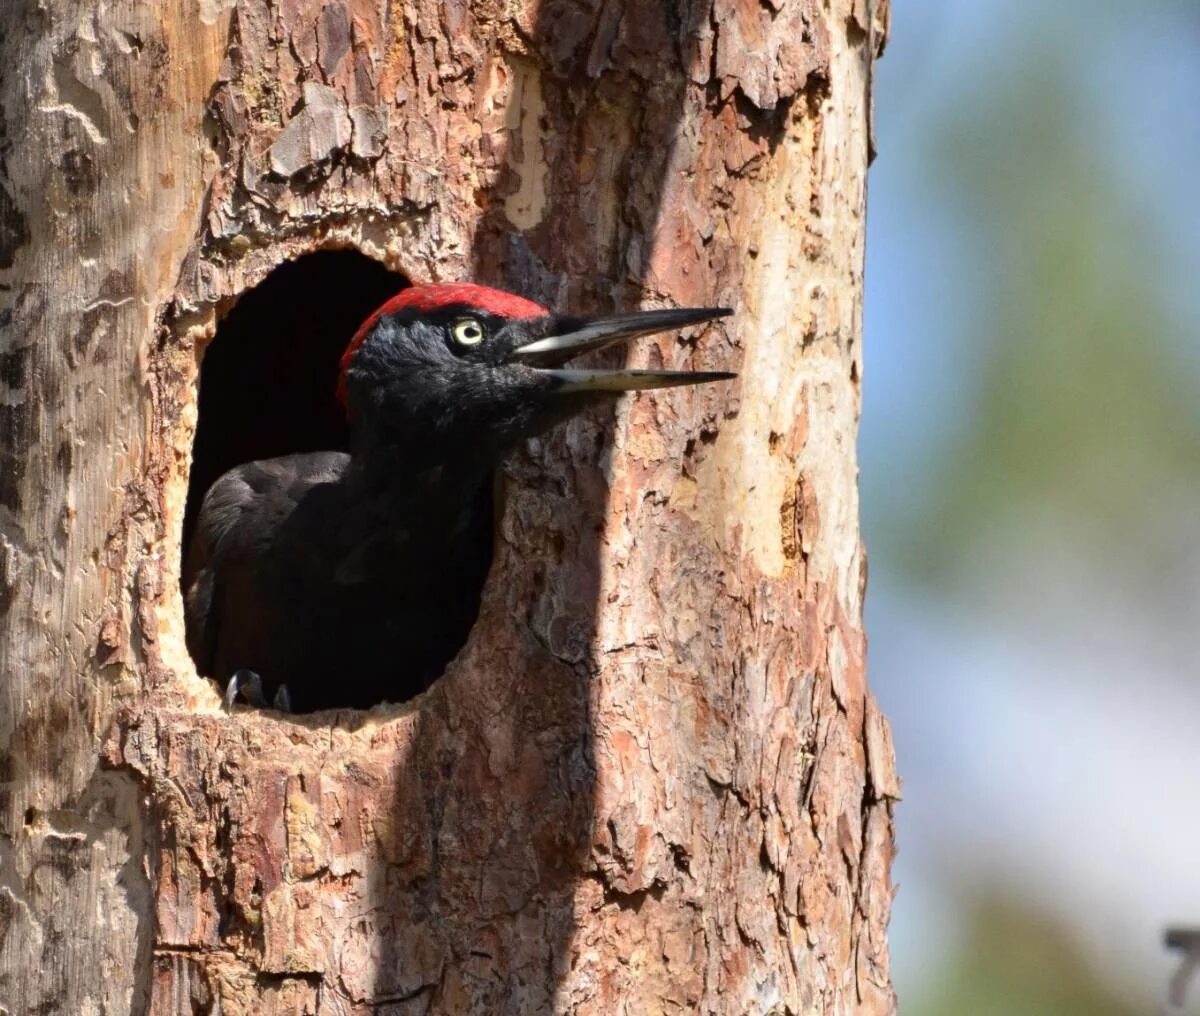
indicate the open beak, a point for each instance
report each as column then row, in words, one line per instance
column 583, row 335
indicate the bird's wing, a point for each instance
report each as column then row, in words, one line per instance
column 240, row 517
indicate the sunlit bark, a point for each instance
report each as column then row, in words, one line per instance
column 654, row 780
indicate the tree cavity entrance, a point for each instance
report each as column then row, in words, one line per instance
column 268, row 384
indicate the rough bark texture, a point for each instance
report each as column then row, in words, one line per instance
column 654, row 780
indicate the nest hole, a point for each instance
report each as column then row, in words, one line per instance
column 268, row 378
column 268, row 382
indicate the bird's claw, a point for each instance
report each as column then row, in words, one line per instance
column 247, row 685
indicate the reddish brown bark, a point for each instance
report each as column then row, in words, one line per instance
column 654, row 780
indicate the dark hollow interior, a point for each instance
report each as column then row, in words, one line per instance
column 268, row 379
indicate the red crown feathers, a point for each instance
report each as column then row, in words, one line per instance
column 432, row 297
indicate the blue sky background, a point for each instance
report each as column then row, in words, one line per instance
column 1030, row 453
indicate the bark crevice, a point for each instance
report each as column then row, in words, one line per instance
column 669, row 655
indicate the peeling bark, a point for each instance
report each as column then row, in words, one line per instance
column 654, row 780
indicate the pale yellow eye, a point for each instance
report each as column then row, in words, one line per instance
column 467, row 332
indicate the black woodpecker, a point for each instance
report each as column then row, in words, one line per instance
column 335, row 579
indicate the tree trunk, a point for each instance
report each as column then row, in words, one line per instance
column 653, row 780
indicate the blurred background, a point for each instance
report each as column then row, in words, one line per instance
column 1031, row 492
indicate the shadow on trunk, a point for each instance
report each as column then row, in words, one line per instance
column 512, row 827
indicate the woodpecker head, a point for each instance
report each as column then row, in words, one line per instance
column 483, row 369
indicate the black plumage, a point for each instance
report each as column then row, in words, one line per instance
column 354, row 577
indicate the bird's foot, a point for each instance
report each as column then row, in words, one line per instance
column 247, row 686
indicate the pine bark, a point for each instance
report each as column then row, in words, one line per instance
column 654, row 780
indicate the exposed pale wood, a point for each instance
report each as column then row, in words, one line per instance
column 654, row 780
